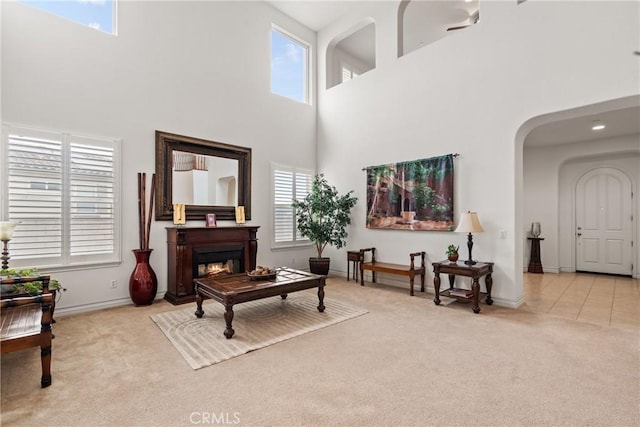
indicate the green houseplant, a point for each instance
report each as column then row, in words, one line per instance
column 452, row 253
column 31, row 288
column 323, row 216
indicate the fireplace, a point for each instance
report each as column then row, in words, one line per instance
column 213, row 261
column 192, row 251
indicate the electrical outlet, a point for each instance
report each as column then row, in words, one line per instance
column 503, row 234
column 114, row 283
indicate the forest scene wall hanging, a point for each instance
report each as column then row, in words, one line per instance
column 413, row 195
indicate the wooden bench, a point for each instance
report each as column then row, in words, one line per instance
column 385, row 267
column 26, row 322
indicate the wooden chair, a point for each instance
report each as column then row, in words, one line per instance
column 26, row 322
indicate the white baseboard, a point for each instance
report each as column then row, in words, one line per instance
column 95, row 306
column 507, row 303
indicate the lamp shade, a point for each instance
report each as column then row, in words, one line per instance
column 6, row 229
column 469, row 223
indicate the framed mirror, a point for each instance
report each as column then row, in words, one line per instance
column 208, row 177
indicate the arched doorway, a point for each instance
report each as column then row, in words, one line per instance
column 604, row 222
column 557, row 210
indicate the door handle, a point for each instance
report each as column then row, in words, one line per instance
column 579, row 234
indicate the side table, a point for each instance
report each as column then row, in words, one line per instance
column 535, row 263
column 353, row 257
column 475, row 271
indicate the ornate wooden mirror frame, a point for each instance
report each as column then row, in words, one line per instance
column 167, row 143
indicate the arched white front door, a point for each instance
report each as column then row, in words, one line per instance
column 604, row 222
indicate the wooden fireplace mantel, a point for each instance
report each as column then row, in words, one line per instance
column 181, row 242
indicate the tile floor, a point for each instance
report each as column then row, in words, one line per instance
column 611, row 301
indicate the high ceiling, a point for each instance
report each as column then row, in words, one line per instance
column 425, row 23
column 315, row 14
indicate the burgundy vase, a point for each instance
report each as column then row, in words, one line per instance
column 143, row 284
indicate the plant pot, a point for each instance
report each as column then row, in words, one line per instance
column 143, row 284
column 453, row 257
column 319, row 265
column 408, row 216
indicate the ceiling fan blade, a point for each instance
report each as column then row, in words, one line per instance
column 473, row 19
column 460, row 27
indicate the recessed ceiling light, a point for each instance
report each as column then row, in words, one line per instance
column 597, row 125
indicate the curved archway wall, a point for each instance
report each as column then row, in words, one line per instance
column 473, row 93
column 354, row 49
column 550, row 175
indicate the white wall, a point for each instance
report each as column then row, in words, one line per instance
column 550, row 177
column 200, row 69
column 470, row 93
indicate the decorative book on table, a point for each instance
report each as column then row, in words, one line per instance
column 458, row 292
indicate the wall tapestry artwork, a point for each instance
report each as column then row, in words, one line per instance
column 415, row 195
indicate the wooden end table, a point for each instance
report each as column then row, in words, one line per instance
column 475, row 271
column 230, row 289
column 353, row 257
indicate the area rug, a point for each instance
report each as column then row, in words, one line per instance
column 257, row 324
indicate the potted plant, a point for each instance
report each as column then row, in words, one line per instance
column 452, row 253
column 323, row 216
column 30, row 288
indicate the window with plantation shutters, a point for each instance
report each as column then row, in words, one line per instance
column 289, row 184
column 348, row 74
column 63, row 191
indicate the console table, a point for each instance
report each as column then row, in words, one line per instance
column 475, row 271
column 535, row 263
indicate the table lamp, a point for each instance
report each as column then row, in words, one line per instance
column 6, row 233
column 469, row 223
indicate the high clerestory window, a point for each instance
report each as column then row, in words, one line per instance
column 289, row 66
column 98, row 14
column 63, row 189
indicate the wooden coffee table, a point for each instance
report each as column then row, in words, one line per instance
column 238, row 288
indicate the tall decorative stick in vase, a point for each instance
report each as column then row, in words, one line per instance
column 143, row 283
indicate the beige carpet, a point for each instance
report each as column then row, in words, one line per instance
column 257, row 324
column 407, row 363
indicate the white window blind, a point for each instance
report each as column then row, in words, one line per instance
column 348, row 74
column 63, row 191
column 289, row 184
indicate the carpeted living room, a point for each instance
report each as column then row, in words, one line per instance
column 405, row 362
column 491, row 129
